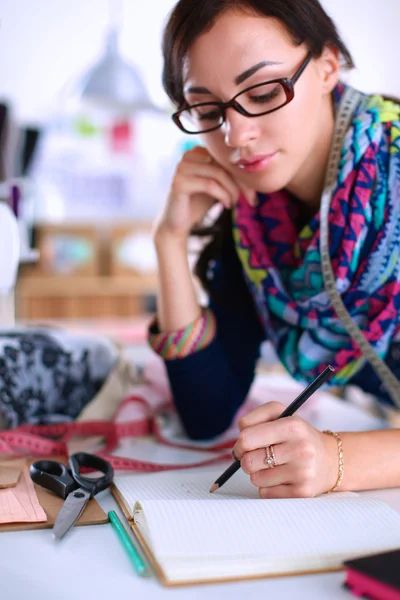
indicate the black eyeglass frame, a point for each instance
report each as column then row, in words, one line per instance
column 286, row 82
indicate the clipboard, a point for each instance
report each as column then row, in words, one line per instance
column 51, row 504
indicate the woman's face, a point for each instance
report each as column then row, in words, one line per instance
column 281, row 145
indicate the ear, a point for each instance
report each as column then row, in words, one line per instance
column 329, row 67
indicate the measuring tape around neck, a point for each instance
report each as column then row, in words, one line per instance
column 347, row 107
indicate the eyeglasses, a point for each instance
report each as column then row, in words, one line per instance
column 254, row 101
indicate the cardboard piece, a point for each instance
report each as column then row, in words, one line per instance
column 10, row 471
column 51, row 504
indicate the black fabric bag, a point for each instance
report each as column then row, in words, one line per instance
column 48, row 375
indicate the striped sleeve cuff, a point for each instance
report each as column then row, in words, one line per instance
column 186, row 341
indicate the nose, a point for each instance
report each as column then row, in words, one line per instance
column 239, row 130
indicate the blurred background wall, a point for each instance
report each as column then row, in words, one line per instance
column 44, row 42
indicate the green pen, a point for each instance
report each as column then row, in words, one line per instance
column 134, row 556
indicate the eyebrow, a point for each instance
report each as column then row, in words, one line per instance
column 246, row 74
column 238, row 80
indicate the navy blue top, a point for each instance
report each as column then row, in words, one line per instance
column 210, row 385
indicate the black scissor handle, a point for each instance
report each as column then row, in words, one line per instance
column 53, row 476
column 91, row 484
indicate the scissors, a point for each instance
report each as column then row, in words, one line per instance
column 69, row 484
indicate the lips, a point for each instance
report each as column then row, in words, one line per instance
column 255, row 163
column 254, row 159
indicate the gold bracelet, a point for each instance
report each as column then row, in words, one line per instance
column 340, row 452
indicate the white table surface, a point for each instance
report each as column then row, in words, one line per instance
column 90, row 562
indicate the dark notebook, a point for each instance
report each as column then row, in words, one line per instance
column 375, row 574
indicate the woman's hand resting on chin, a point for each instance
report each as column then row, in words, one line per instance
column 198, row 183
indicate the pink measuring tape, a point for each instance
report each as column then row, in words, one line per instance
column 52, row 440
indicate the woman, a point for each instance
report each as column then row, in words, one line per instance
column 265, row 160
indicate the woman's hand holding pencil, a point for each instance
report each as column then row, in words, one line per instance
column 285, row 457
column 306, row 460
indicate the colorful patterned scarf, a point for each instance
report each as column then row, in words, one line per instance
column 283, row 266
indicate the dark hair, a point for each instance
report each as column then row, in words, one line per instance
column 305, row 20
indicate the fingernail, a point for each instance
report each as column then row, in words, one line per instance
column 234, row 455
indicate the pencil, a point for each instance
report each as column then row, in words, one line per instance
column 134, row 556
column 288, row 412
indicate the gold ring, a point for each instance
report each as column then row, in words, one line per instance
column 270, row 459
